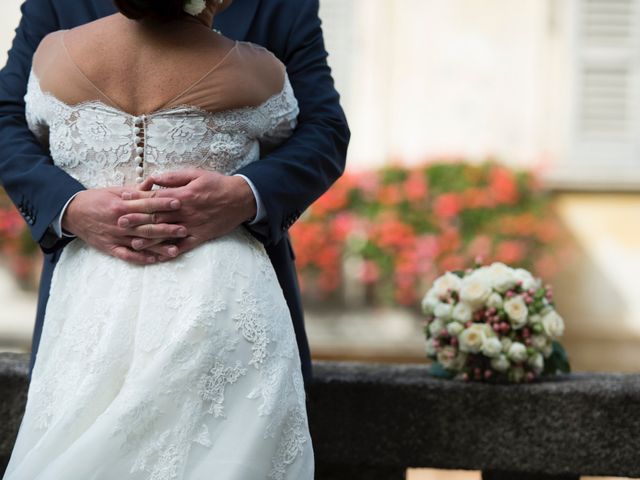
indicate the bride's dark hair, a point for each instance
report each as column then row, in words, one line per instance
column 161, row 9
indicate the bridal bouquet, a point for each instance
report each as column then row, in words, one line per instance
column 493, row 323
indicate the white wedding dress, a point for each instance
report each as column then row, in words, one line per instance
column 187, row 369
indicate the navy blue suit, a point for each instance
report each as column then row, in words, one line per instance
column 288, row 179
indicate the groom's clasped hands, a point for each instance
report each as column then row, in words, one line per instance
column 144, row 225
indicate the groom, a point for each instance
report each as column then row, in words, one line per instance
column 266, row 196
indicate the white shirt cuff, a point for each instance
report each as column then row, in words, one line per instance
column 260, row 213
column 57, row 221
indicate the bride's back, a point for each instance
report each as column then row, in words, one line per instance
column 142, row 67
column 116, row 103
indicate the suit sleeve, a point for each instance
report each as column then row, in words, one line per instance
column 37, row 187
column 299, row 171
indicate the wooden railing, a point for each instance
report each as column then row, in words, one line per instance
column 373, row 421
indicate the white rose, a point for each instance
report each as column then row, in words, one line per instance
column 494, row 300
column 430, row 348
column 536, row 362
column 547, row 351
column 454, row 328
column 460, row 361
column 429, row 303
column 472, row 338
column 517, row 352
column 502, row 277
column 482, row 272
column 553, row 324
column 506, row 344
column 491, row 347
column 475, row 290
column 528, row 282
column 443, row 311
column 539, row 342
column 436, row 327
column 195, row 7
column 462, row 312
column 447, row 357
column 500, row 363
column 517, row 310
column 448, row 281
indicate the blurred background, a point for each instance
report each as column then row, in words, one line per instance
column 492, row 128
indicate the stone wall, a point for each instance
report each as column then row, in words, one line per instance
column 372, row 421
column 14, row 369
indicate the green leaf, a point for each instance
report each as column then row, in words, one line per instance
column 447, row 177
column 393, row 174
column 437, row 370
column 558, row 361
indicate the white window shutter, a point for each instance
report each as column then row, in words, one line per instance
column 606, row 126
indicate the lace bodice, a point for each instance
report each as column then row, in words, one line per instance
column 100, row 145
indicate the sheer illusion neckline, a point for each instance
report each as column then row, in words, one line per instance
column 163, row 107
column 162, row 110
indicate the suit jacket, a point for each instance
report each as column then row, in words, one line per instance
column 288, row 179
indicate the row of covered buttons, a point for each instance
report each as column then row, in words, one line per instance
column 26, row 210
column 138, row 130
column 291, row 218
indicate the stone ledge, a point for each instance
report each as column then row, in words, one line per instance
column 14, row 370
column 384, row 418
column 396, row 415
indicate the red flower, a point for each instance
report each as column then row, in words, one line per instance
column 503, row 186
column 511, row 251
column 447, row 205
column 336, row 198
column 405, row 296
column 478, row 198
column 368, row 184
column 342, row 225
column 449, row 241
column 392, row 234
column 415, row 186
column 390, row 195
column 329, row 257
column 427, row 247
column 418, row 240
column 525, row 224
column 452, row 262
column 548, row 232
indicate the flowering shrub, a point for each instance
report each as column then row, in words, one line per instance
column 18, row 249
column 398, row 228
column 493, row 323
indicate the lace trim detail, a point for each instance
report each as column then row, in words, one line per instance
column 269, row 346
column 96, row 143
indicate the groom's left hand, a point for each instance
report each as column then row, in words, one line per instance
column 212, row 204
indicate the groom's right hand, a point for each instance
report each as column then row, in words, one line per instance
column 93, row 215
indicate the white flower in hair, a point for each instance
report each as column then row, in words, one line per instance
column 195, row 7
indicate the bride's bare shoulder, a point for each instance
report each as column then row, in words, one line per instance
column 260, row 56
column 108, row 28
column 52, row 40
column 264, row 65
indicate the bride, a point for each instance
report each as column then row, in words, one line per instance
column 184, row 369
